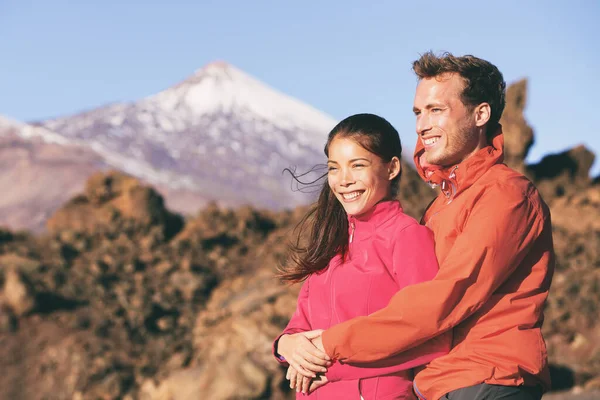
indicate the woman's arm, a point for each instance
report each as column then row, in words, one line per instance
column 298, row 323
column 293, row 347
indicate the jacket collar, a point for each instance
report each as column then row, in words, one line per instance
column 457, row 178
column 364, row 225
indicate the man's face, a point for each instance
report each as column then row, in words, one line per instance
column 446, row 127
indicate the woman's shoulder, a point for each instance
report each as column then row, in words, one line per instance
column 403, row 221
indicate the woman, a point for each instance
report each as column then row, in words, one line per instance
column 361, row 250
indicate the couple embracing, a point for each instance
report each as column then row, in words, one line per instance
column 448, row 308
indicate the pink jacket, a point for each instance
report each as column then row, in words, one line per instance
column 388, row 250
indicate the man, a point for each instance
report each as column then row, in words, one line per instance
column 493, row 242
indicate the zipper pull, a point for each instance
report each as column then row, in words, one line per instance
column 351, row 231
column 453, row 173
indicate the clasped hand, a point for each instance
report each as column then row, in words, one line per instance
column 304, row 352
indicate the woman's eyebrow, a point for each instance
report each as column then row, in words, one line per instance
column 360, row 159
column 353, row 160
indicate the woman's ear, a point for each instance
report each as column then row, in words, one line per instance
column 394, row 168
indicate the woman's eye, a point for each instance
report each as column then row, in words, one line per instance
column 358, row 165
column 331, row 168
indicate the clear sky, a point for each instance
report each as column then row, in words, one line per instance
column 59, row 57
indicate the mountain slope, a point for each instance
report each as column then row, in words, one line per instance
column 39, row 171
column 220, row 133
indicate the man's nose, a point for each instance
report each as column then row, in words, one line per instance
column 423, row 124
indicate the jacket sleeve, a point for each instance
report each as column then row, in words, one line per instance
column 497, row 235
column 413, row 262
column 299, row 321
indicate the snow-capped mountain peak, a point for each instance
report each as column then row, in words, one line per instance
column 221, row 87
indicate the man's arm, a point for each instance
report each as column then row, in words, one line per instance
column 497, row 236
column 413, row 262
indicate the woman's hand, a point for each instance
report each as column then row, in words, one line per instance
column 298, row 382
column 303, row 384
column 300, row 353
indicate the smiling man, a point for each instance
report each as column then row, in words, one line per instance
column 493, row 242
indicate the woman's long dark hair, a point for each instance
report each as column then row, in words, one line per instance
column 326, row 223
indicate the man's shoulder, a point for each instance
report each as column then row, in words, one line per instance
column 504, row 183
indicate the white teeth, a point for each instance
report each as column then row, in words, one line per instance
column 430, row 141
column 350, row 196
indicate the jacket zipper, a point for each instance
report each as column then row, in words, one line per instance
column 450, row 196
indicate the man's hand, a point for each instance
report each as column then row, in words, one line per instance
column 318, row 343
column 300, row 353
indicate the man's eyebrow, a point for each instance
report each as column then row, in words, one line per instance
column 429, row 106
column 433, row 105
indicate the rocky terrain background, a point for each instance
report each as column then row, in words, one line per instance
column 124, row 299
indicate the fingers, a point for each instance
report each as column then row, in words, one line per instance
column 291, row 376
column 298, row 382
column 312, row 334
column 314, row 385
column 317, row 356
column 317, row 383
column 306, row 345
column 306, row 365
column 300, row 369
column 299, row 379
column 305, row 384
column 316, row 351
column 310, row 362
column 304, row 357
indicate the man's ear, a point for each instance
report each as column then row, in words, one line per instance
column 483, row 113
column 394, row 168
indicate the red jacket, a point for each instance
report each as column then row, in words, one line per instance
column 388, row 250
column 494, row 245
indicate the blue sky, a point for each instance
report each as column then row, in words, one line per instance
column 343, row 57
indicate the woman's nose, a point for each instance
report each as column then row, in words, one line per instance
column 347, row 178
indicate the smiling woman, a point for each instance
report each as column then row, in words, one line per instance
column 365, row 136
column 358, row 178
column 361, row 250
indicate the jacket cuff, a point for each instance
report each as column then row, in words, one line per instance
column 280, row 359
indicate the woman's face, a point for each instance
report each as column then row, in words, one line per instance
column 358, row 178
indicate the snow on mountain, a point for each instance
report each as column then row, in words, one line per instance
column 221, row 133
column 27, row 131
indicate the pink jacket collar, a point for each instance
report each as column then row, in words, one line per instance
column 364, row 225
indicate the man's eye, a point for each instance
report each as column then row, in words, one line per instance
column 436, row 109
column 358, row 165
column 331, row 168
column 417, row 113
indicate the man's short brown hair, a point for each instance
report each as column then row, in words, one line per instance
column 484, row 83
